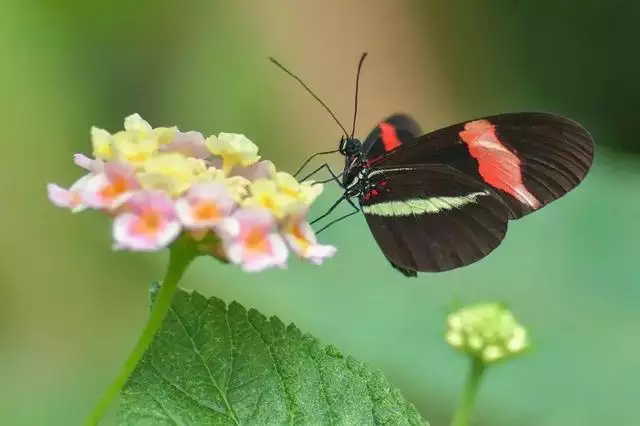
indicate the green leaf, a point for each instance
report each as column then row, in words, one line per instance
column 213, row 364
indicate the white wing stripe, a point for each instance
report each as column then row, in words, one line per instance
column 418, row 206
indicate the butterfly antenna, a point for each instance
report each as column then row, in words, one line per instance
column 282, row 67
column 355, row 107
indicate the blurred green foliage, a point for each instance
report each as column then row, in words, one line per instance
column 70, row 309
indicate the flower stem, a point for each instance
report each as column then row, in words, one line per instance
column 476, row 372
column 180, row 258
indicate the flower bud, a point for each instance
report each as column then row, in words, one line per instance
column 487, row 331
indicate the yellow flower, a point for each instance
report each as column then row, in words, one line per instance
column 165, row 135
column 212, row 174
column 135, row 123
column 237, row 186
column 265, row 194
column 305, row 192
column 102, row 143
column 216, row 196
column 138, row 142
column 235, row 149
column 132, row 151
column 172, row 172
column 138, row 129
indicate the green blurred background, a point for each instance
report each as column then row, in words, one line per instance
column 71, row 309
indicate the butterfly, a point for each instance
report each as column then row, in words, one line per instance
column 443, row 200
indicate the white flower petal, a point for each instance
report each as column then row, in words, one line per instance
column 227, row 228
column 278, row 249
column 58, row 195
column 92, row 192
column 83, row 161
column 259, row 263
column 185, row 212
column 168, row 234
column 318, row 253
column 235, row 252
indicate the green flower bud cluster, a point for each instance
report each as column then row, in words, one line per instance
column 487, row 331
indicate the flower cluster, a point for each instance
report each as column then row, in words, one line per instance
column 160, row 183
column 487, row 331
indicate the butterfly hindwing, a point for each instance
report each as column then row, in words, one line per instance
column 432, row 218
column 531, row 159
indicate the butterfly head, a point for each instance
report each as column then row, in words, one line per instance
column 349, row 146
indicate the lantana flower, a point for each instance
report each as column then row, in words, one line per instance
column 112, row 186
column 265, row 193
column 149, row 222
column 162, row 184
column 304, row 192
column 302, row 240
column 208, row 206
column 235, row 149
column 258, row 244
column 71, row 198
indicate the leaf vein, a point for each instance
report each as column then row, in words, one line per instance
column 233, row 361
column 162, row 407
column 369, row 391
column 322, row 387
column 232, row 415
column 187, row 394
column 255, row 408
column 201, row 315
column 287, row 394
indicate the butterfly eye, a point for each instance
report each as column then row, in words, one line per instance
column 351, row 146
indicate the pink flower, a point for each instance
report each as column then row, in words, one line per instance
column 215, row 194
column 94, row 166
column 149, row 222
column 69, row 198
column 302, row 240
column 264, row 169
column 208, row 205
column 109, row 189
column 215, row 162
column 257, row 246
column 190, row 144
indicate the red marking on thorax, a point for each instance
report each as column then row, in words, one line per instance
column 498, row 166
column 389, row 136
column 371, row 193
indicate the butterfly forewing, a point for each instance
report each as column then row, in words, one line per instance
column 432, row 218
column 395, row 131
column 531, row 159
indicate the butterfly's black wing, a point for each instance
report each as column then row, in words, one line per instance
column 531, row 159
column 389, row 134
column 432, row 218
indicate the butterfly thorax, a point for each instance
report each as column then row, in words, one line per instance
column 351, row 148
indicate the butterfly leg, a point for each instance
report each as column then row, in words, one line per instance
column 337, row 220
column 332, row 208
column 334, row 177
column 346, row 197
column 311, row 158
